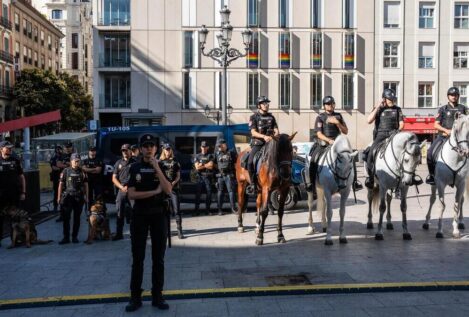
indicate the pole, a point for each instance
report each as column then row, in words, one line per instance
column 224, row 96
column 27, row 152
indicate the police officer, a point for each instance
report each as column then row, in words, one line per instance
column 55, row 174
column 204, row 164
column 135, row 152
column 149, row 188
column 120, row 178
column 172, row 170
column 93, row 167
column 329, row 125
column 263, row 126
column 225, row 160
column 443, row 124
column 73, row 192
column 63, row 163
column 12, row 180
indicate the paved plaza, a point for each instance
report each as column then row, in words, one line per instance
column 215, row 256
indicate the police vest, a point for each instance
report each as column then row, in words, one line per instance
column 330, row 130
column 450, row 115
column 389, row 120
column 169, row 168
column 224, row 162
column 204, row 159
column 265, row 126
column 74, row 181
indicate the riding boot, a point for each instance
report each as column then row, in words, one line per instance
column 431, row 174
column 356, row 184
column 313, row 168
column 253, row 185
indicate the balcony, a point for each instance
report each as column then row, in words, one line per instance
column 6, row 57
column 106, row 61
column 6, row 91
column 5, row 22
column 122, row 21
column 114, row 102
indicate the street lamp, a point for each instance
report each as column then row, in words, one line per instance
column 215, row 114
column 223, row 54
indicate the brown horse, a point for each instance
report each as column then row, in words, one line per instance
column 274, row 173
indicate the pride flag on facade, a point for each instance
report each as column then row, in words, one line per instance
column 349, row 61
column 253, row 60
column 284, row 60
column 316, row 60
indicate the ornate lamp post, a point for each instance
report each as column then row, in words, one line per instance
column 215, row 114
column 223, row 54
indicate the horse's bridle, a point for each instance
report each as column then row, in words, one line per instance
column 283, row 163
column 457, row 148
column 400, row 162
column 333, row 168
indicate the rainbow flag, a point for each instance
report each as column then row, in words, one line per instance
column 253, row 60
column 349, row 61
column 284, row 60
column 316, row 60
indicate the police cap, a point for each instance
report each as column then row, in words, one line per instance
column 92, row 149
column 75, row 157
column 147, row 139
column 68, row 144
column 166, row 146
column 6, row 144
column 328, row 100
column 204, row 144
column 133, row 147
column 262, row 99
column 453, row 91
column 221, row 141
column 389, row 94
column 125, row 146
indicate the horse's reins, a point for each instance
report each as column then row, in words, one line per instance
column 332, row 166
column 401, row 168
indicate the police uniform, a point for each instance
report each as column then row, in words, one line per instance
column 123, row 206
column 204, row 179
column 149, row 214
column 225, row 178
column 171, row 168
column 446, row 117
column 73, row 197
column 95, row 186
column 55, row 175
column 10, row 183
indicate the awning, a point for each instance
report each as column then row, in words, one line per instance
column 420, row 125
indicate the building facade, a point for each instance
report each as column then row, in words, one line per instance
column 303, row 50
column 6, row 61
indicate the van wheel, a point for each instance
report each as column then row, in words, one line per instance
column 290, row 201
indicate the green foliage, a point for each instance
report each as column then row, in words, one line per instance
column 39, row 91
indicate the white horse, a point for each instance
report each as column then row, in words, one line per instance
column 320, row 205
column 335, row 175
column 452, row 168
column 394, row 168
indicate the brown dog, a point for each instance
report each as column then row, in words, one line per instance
column 99, row 223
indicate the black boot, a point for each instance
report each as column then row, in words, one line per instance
column 135, row 302
column 252, row 188
column 159, row 302
column 431, row 174
column 357, row 185
column 370, row 182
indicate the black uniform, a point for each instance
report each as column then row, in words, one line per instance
column 95, row 181
column 55, row 177
column 171, row 168
column 148, row 214
column 226, row 177
column 204, row 179
column 72, row 200
column 10, row 184
column 121, row 170
column 446, row 117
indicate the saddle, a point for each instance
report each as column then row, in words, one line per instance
column 436, row 151
column 379, row 149
column 245, row 159
column 317, row 151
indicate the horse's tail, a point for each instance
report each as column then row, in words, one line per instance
column 375, row 199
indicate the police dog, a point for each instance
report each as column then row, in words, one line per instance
column 99, row 222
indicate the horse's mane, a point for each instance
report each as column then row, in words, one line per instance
column 270, row 156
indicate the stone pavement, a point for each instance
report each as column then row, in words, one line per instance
column 215, row 255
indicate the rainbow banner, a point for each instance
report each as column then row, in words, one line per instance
column 284, row 60
column 316, row 60
column 253, row 60
column 349, row 61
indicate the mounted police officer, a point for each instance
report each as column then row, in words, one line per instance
column 120, row 178
column 93, row 167
column 55, row 173
column 149, row 188
column 443, row 124
column 225, row 160
column 328, row 126
column 204, row 164
column 172, row 170
column 263, row 126
column 73, row 192
column 12, row 180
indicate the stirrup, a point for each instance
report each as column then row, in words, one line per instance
column 251, row 190
column 417, row 180
column 357, row 186
column 430, row 180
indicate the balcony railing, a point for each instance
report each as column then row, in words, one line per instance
column 111, row 102
column 6, row 57
column 6, row 91
column 5, row 22
column 123, row 21
column 106, row 61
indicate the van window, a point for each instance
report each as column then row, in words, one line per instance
column 185, row 145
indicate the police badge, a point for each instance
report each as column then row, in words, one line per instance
column 138, row 177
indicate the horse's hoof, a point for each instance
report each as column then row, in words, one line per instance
column 379, row 236
column 259, row 241
column 310, row 231
column 425, row 226
column 461, row 226
column 407, row 236
column 240, row 229
column 328, row 242
column 456, row 235
column 324, row 230
column 369, row 225
column 439, row 235
column 343, row 240
column 281, row 240
column 389, row 226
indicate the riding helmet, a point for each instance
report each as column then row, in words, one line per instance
column 328, row 100
column 453, row 91
column 262, row 99
column 389, row 94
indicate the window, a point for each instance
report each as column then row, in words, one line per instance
column 316, row 91
column 463, row 92
column 391, row 14
column 284, row 91
column 394, row 86
column 426, row 15
column 189, row 91
column 17, row 49
column 113, row 12
column 35, row 59
column 253, row 12
column 116, row 92
column 348, row 14
column 43, row 62
column 461, row 16
column 253, row 89
column 461, row 53
column 25, row 23
column 35, row 33
column 42, row 38
column 25, row 54
column 189, row 12
column 50, row 64
column 30, row 57
column 316, row 13
column 29, row 27
column 49, row 42
column 391, row 55
column 188, row 49
column 6, row 44
column 316, row 50
column 284, row 50
column 17, row 22
column 349, row 51
column 56, row 14
column 347, row 91
column 425, row 95
column 7, row 78
column 75, row 60
column 426, row 52
column 74, row 40
column 116, row 50
column 284, row 13
column 253, row 53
